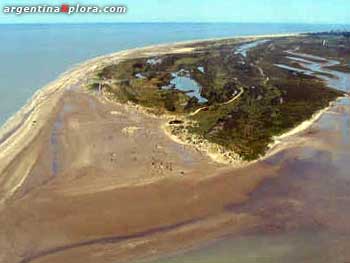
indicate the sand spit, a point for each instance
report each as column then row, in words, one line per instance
column 81, row 72
column 26, row 125
column 127, row 196
column 21, row 129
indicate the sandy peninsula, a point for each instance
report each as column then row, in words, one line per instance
column 26, row 125
column 84, row 179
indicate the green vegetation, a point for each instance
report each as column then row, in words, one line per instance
column 273, row 100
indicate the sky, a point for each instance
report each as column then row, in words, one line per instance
column 248, row 11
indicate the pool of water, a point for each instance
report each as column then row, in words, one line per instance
column 201, row 69
column 182, row 81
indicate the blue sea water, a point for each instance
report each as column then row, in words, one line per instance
column 33, row 55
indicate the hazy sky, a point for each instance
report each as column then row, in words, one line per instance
column 289, row 11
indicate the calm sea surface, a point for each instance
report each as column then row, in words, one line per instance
column 33, row 55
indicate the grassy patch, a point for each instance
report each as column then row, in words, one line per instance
column 267, row 107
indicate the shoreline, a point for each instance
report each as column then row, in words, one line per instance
column 24, row 109
column 165, row 198
column 279, row 142
column 10, row 125
column 24, row 126
column 214, row 151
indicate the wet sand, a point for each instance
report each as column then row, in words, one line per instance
column 89, row 188
column 303, row 212
column 101, row 182
column 93, row 214
column 26, row 125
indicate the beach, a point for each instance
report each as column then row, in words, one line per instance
column 100, row 180
column 25, row 125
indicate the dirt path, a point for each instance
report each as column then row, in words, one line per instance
column 224, row 103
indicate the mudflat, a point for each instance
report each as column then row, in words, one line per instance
column 96, row 180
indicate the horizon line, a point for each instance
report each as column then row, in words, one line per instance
column 169, row 22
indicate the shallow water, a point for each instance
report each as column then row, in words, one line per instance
column 243, row 49
column 296, row 247
column 54, row 139
column 34, row 55
column 305, row 208
column 299, row 70
column 188, row 85
column 340, row 80
column 153, row 61
column 201, row 69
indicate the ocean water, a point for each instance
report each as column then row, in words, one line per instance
column 33, row 55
